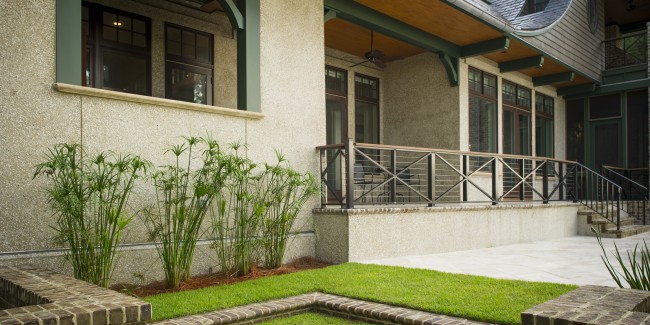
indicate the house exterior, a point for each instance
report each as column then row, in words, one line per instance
column 517, row 78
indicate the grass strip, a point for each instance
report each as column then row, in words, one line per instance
column 472, row 297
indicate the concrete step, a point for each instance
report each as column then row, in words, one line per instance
column 625, row 231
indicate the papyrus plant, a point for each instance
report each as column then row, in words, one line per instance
column 184, row 193
column 280, row 194
column 89, row 196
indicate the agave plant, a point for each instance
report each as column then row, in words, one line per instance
column 635, row 268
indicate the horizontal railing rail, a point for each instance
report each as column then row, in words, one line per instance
column 625, row 51
column 360, row 174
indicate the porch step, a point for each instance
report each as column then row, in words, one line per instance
column 605, row 227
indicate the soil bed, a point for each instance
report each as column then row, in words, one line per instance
column 216, row 279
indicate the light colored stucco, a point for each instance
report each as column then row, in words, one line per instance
column 395, row 232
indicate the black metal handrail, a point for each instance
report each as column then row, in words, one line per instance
column 625, row 51
column 635, row 194
column 359, row 174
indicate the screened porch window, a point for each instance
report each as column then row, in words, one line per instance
column 482, row 111
column 544, row 112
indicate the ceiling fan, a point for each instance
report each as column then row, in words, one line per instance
column 376, row 57
column 631, row 6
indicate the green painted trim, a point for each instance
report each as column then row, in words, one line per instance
column 329, row 15
column 234, row 15
column 451, row 66
column 553, row 78
column 68, row 41
column 389, row 26
column 248, row 58
column 494, row 45
column 574, row 90
column 500, row 28
column 634, row 68
column 521, row 64
column 605, row 89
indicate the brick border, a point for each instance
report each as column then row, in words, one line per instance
column 592, row 305
column 41, row 296
column 319, row 302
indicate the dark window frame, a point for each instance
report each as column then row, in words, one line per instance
column 545, row 114
column 97, row 46
column 191, row 65
column 518, row 109
column 341, row 97
column 369, row 100
column 484, row 94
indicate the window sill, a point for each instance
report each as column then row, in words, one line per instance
column 109, row 94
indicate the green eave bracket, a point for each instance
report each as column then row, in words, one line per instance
column 522, row 64
column 329, row 15
column 391, row 27
column 553, row 78
column 234, row 15
column 451, row 66
column 574, row 90
column 494, row 45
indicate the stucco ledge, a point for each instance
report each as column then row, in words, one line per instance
column 116, row 95
column 468, row 207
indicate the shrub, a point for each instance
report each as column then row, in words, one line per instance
column 635, row 272
column 89, row 197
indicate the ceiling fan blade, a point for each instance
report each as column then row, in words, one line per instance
column 379, row 63
column 375, row 54
column 392, row 58
column 356, row 64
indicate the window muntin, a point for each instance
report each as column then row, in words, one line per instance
column 366, row 109
column 117, row 50
column 482, row 111
column 188, row 65
column 544, row 125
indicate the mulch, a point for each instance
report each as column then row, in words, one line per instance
column 217, row 279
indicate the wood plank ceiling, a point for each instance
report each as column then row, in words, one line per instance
column 437, row 18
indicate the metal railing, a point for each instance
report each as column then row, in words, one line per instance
column 633, row 192
column 359, row 174
column 625, row 51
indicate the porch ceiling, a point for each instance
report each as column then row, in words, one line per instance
column 436, row 18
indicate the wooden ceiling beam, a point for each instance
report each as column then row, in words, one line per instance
column 494, row 45
column 389, row 26
column 553, row 78
column 521, row 64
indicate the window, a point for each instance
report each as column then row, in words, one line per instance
column 516, row 119
column 366, row 109
column 533, row 6
column 117, row 50
column 482, row 111
column 544, row 110
column 188, row 65
column 575, row 130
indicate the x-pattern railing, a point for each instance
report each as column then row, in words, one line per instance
column 370, row 174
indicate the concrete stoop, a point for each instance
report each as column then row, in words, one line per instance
column 607, row 229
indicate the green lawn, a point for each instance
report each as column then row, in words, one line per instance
column 311, row 318
column 474, row 297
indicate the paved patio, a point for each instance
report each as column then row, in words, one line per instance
column 572, row 260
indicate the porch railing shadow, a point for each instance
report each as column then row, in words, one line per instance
column 357, row 175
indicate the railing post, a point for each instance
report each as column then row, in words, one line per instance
column 560, row 177
column 545, row 182
column 575, row 184
column 465, row 161
column 349, row 154
column 644, row 199
column 431, row 188
column 522, row 187
column 618, row 209
column 393, row 170
column 494, row 181
column 323, row 179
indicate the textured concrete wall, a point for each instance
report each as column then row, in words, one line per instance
column 421, row 108
column 401, row 232
column 35, row 116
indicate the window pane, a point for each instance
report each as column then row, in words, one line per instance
column 524, row 134
column 110, row 19
column 109, row 33
column 139, row 26
column 544, row 137
column 139, row 40
column 523, row 97
column 189, row 86
column 637, row 129
column 366, row 122
column 124, row 73
column 189, row 45
column 126, row 23
column 366, row 87
column 124, row 36
column 482, row 122
column 335, row 80
column 474, row 80
column 202, row 47
column 173, row 34
column 509, row 92
column 508, row 132
column 489, row 85
column 575, row 131
column 605, row 106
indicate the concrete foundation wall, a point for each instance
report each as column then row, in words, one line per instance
column 358, row 235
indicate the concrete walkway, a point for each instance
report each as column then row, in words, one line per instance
column 572, row 260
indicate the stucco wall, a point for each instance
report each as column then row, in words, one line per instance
column 421, row 108
column 35, row 116
column 383, row 233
